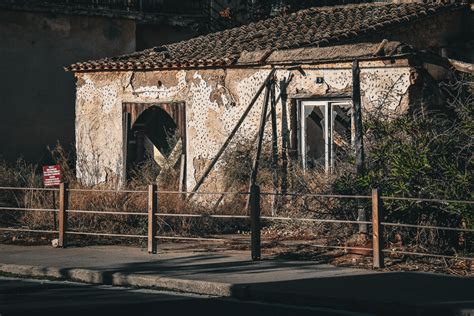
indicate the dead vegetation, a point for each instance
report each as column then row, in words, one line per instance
column 279, row 232
column 84, row 198
column 441, row 144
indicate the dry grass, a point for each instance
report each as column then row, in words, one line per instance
column 25, row 175
column 312, row 181
column 28, row 176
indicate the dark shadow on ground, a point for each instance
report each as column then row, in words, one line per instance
column 391, row 293
column 18, row 297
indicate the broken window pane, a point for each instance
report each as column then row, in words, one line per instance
column 326, row 133
column 341, row 131
column 315, row 136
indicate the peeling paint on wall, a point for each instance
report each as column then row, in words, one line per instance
column 214, row 98
column 99, row 128
column 384, row 89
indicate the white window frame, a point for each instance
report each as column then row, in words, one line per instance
column 328, row 129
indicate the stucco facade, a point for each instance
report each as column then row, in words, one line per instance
column 214, row 101
column 205, row 85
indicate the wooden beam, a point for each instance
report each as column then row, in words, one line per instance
column 181, row 173
column 294, row 129
column 152, row 210
column 274, row 146
column 357, row 107
column 462, row 66
column 377, row 229
column 283, row 85
column 285, row 135
column 231, row 135
column 261, row 131
column 62, row 216
column 126, row 119
column 255, row 238
column 359, row 137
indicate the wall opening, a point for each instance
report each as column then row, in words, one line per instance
column 326, row 131
column 155, row 132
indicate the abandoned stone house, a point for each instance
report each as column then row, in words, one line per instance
column 197, row 90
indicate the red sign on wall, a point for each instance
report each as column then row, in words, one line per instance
column 52, row 175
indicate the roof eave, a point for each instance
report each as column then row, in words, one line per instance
column 250, row 65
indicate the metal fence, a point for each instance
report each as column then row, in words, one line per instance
column 255, row 217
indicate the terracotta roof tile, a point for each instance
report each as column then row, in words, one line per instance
column 307, row 28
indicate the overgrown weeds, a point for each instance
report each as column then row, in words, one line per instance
column 83, row 199
column 425, row 154
column 422, row 154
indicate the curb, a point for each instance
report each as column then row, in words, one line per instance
column 244, row 292
column 121, row 279
column 238, row 291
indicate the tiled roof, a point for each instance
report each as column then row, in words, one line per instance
column 324, row 26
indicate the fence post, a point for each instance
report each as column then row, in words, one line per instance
column 377, row 229
column 152, row 209
column 255, row 221
column 62, row 216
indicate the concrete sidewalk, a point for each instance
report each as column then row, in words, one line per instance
column 232, row 274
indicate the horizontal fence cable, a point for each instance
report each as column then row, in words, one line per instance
column 425, row 200
column 29, row 230
column 6, row 208
column 201, row 215
column 339, row 247
column 105, row 234
column 337, row 196
column 428, row 227
column 203, row 193
column 268, row 193
column 28, row 189
column 191, row 238
column 106, row 191
column 279, row 218
column 264, row 217
column 426, row 254
column 247, row 193
column 107, row 212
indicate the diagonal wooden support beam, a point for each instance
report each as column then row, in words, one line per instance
column 261, row 131
column 356, row 101
column 283, row 86
column 231, row 135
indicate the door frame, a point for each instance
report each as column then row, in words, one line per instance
column 130, row 113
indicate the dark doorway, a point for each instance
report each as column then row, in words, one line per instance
column 156, row 133
column 158, row 127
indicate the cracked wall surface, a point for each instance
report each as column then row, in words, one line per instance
column 215, row 99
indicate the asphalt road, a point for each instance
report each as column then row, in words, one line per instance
column 40, row 297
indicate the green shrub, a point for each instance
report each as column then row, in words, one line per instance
column 426, row 155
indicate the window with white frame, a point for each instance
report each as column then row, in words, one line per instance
column 326, row 131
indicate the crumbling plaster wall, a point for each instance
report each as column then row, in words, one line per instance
column 215, row 99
